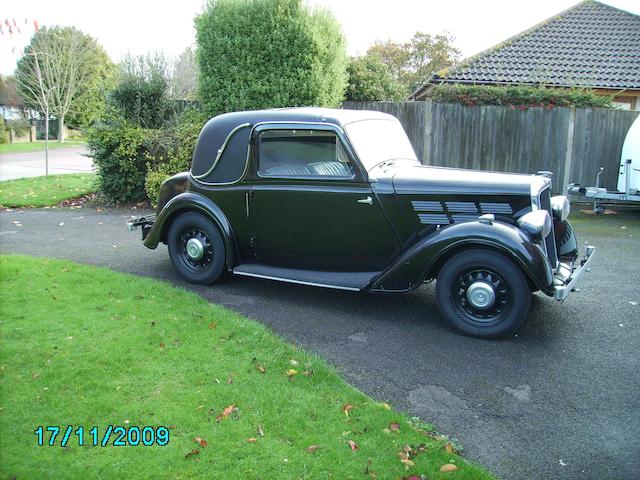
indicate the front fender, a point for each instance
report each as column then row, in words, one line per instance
column 190, row 201
column 420, row 261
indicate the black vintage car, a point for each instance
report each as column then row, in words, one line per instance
column 338, row 199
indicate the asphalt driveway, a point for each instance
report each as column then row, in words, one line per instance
column 32, row 164
column 559, row 400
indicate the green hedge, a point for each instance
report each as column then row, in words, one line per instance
column 118, row 149
column 519, row 96
column 255, row 54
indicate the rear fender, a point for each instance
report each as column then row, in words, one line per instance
column 421, row 260
column 190, row 201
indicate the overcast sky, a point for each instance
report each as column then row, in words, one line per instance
column 139, row 26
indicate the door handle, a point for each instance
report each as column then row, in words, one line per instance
column 367, row 200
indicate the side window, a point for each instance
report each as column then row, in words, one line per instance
column 303, row 153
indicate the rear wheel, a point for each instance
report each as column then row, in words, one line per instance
column 196, row 248
column 482, row 293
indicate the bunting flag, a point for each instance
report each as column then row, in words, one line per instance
column 10, row 26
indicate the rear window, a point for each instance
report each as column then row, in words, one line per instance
column 303, row 153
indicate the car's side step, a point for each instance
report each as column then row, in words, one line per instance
column 341, row 280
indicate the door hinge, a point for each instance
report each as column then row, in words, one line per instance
column 252, row 241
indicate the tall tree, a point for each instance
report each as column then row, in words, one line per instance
column 60, row 67
column 184, row 76
column 36, row 91
column 414, row 62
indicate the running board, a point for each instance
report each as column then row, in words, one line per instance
column 355, row 281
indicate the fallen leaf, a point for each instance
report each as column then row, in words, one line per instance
column 213, row 325
column 229, row 380
column 353, row 445
column 260, row 368
column 226, row 412
column 260, row 431
column 293, row 362
column 449, row 448
column 252, row 440
column 35, row 375
column 386, row 406
column 633, row 303
column 394, row 427
column 407, row 463
column 192, row 453
column 312, row 448
column 200, row 441
column 346, row 408
column 291, row 372
column 449, row 467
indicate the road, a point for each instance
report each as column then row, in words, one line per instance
column 560, row 400
column 32, row 164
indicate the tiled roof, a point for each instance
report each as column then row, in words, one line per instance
column 589, row 45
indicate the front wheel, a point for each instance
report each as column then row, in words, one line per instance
column 482, row 293
column 196, row 248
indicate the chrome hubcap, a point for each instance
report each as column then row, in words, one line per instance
column 195, row 249
column 481, row 295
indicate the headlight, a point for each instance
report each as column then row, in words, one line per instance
column 561, row 207
column 537, row 223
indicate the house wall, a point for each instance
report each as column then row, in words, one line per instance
column 572, row 143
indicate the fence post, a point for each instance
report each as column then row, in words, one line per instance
column 568, row 158
column 428, row 104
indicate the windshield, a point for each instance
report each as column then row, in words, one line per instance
column 379, row 140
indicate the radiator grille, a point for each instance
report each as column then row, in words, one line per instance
column 549, row 241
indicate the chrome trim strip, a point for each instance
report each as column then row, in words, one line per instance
column 490, row 207
column 434, row 219
column 462, row 207
column 298, row 282
column 221, row 151
column 457, row 218
column 427, row 206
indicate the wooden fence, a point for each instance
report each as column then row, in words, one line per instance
column 572, row 143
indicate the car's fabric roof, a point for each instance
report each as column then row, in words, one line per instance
column 231, row 164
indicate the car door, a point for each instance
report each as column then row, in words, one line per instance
column 311, row 206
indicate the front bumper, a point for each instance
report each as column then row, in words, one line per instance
column 566, row 278
column 145, row 223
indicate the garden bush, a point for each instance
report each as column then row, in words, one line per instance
column 141, row 95
column 519, row 96
column 255, row 54
column 171, row 152
column 4, row 133
column 118, row 149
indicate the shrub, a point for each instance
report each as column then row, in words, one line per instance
column 171, row 152
column 4, row 133
column 118, row 149
column 256, row 54
column 19, row 126
column 519, row 96
column 141, row 95
column 370, row 80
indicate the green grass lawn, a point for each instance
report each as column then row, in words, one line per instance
column 37, row 146
column 45, row 191
column 85, row 346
